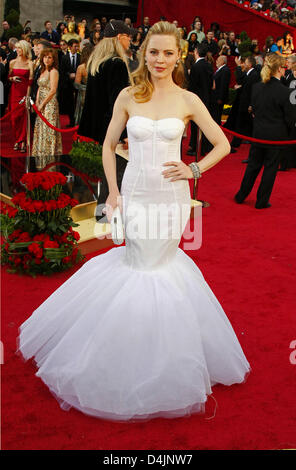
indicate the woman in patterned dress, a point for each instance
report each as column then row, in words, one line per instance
column 47, row 143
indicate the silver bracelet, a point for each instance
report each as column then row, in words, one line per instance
column 195, row 170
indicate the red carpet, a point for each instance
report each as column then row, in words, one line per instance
column 248, row 259
column 7, row 144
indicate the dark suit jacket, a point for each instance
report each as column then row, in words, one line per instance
column 212, row 46
column 222, row 80
column 275, row 115
column 53, row 37
column 201, row 81
column 101, row 93
column 246, row 92
column 34, row 88
column 66, row 68
column 288, row 78
column 12, row 55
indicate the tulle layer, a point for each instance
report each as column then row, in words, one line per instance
column 125, row 344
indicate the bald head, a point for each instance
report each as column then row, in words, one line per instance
column 221, row 60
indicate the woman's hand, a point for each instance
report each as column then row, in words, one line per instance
column 40, row 107
column 113, row 200
column 180, row 171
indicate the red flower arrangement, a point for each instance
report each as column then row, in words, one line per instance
column 38, row 232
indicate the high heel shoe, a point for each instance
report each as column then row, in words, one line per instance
column 23, row 147
column 16, row 146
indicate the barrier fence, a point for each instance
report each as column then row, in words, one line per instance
column 28, row 103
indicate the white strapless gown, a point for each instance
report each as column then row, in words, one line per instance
column 137, row 333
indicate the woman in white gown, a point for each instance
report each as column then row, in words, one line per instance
column 137, row 333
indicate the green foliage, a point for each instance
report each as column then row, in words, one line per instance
column 87, row 158
column 16, row 29
column 245, row 46
column 11, row 5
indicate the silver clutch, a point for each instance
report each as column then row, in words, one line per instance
column 117, row 229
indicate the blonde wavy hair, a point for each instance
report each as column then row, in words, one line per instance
column 271, row 65
column 104, row 50
column 25, row 47
column 142, row 88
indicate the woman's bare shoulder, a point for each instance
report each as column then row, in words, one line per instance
column 53, row 72
column 189, row 97
column 125, row 96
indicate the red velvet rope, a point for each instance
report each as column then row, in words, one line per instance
column 76, row 172
column 261, row 141
column 245, row 137
column 72, row 129
column 12, row 111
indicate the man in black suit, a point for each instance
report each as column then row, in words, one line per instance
column 221, row 90
column 67, row 92
column 200, row 83
column 250, row 76
column 12, row 52
column 274, row 117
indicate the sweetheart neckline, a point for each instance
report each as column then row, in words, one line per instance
column 156, row 120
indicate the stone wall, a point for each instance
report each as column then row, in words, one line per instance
column 39, row 11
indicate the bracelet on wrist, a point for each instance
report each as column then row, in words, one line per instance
column 195, row 170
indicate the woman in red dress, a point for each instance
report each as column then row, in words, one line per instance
column 21, row 76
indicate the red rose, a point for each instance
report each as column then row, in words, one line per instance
column 76, row 236
column 34, row 248
column 39, row 206
column 50, row 244
column 67, row 259
column 24, row 237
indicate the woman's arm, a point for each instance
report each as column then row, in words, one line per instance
column 54, row 80
column 115, row 129
column 78, row 76
column 30, row 78
column 202, row 118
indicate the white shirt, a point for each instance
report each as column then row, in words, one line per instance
column 221, row 66
column 199, row 59
column 250, row 70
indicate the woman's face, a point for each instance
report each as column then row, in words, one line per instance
column 124, row 40
column 48, row 60
column 98, row 26
column 193, row 37
column 161, row 55
column 19, row 52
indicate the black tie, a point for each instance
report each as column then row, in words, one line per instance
column 73, row 62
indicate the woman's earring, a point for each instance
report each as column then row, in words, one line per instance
column 177, row 63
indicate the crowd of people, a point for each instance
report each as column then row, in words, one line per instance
column 279, row 10
column 57, row 66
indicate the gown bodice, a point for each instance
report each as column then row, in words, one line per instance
column 152, row 143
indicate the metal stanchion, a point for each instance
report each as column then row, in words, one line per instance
column 28, row 109
column 197, row 158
